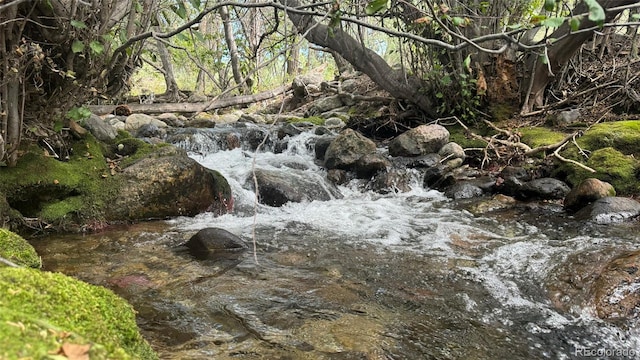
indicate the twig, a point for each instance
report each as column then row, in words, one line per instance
column 8, row 263
column 563, row 159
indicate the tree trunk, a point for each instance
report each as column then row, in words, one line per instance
column 233, row 50
column 293, row 60
column 560, row 52
column 396, row 82
column 10, row 109
column 172, row 91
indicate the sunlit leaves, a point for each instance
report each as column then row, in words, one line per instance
column 553, row 22
column 375, row 6
column 596, row 12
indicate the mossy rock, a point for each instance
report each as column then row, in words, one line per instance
column 612, row 166
column 55, row 191
column 70, row 195
column 41, row 313
column 458, row 135
column 540, row 136
column 623, row 136
column 315, row 120
column 17, row 250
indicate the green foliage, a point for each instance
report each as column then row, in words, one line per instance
column 375, row 6
column 79, row 114
column 596, row 12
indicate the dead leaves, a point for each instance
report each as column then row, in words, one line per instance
column 75, row 351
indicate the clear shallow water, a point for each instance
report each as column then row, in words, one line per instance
column 367, row 276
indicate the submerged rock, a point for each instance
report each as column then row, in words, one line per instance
column 212, row 241
column 616, row 291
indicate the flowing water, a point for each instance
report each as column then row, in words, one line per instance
column 365, row 276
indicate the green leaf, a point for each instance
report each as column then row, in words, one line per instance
column 635, row 16
column 195, row 3
column 574, row 23
column 467, row 62
column 458, row 21
column 553, row 22
column 446, row 80
column 376, row 5
column 78, row 113
column 78, row 24
column 180, row 10
column 77, row 46
column 596, row 12
column 549, row 5
column 544, row 59
column 96, row 47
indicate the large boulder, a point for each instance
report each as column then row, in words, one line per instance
column 168, row 183
column 611, row 209
column 276, row 187
column 586, row 192
column 421, row 140
column 347, row 149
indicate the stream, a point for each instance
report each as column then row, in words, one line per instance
column 366, row 276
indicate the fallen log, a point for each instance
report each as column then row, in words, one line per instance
column 195, row 107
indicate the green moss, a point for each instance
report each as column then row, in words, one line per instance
column 611, row 166
column 39, row 311
column 59, row 192
column 315, row 120
column 502, row 111
column 539, row 136
column 17, row 250
column 458, row 135
column 623, row 136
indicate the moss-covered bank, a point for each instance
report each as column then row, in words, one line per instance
column 42, row 313
column 17, row 250
column 60, row 193
column 613, row 150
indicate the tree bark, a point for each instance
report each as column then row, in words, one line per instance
column 293, row 60
column 396, row 82
column 172, row 91
column 233, row 50
column 560, row 52
column 159, row 108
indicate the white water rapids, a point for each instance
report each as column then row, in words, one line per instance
column 511, row 263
